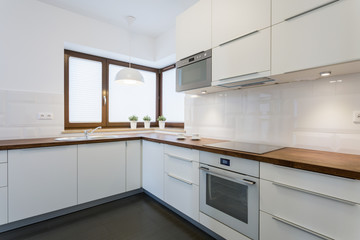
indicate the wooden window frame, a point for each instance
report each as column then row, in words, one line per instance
column 105, row 92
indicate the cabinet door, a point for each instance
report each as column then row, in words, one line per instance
column 41, row 180
column 153, row 168
column 193, row 30
column 101, row 170
column 234, row 18
column 133, row 165
column 246, row 57
column 325, row 36
column 3, row 205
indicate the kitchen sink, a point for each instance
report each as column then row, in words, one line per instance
column 94, row 137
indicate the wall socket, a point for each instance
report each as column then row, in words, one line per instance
column 45, row 116
column 356, row 116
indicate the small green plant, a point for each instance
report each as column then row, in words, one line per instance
column 133, row 118
column 147, row 118
column 161, row 118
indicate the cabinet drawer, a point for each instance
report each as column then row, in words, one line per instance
column 3, row 156
column 184, row 169
column 330, row 217
column 271, row 229
column 184, row 196
column 3, row 206
column 3, row 174
column 182, row 153
column 343, row 188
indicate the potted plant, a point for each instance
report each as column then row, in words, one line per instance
column 133, row 121
column 147, row 120
column 161, row 120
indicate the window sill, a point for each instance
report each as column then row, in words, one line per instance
column 107, row 130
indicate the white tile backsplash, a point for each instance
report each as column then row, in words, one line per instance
column 305, row 114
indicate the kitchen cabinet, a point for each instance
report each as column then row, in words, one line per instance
column 133, row 165
column 193, row 30
column 242, row 59
column 101, row 170
column 3, row 188
column 299, row 203
column 325, row 36
column 41, row 180
column 153, row 168
column 232, row 19
column 182, row 180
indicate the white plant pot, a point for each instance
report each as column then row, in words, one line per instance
column 161, row 124
column 146, row 124
column 133, row 124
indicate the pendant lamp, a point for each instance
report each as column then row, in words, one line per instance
column 128, row 75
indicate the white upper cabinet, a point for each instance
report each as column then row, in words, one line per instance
column 193, row 30
column 284, row 9
column 324, row 36
column 233, row 18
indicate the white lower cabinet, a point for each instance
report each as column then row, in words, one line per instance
column 41, row 180
column 133, row 165
column 101, row 170
column 153, row 168
column 182, row 180
column 3, row 205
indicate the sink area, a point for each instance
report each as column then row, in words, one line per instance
column 80, row 138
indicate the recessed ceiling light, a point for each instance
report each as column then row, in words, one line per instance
column 325, row 74
column 194, row 96
column 204, row 92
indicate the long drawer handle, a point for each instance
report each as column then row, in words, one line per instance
column 246, row 181
column 246, row 35
column 302, row 228
column 308, row 11
column 178, row 157
column 242, row 75
column 179, row 179
column 315, row 193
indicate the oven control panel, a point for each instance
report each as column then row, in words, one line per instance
column 224, row 161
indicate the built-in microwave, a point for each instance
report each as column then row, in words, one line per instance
column 194, row 72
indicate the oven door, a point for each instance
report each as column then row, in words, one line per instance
column 230, row 198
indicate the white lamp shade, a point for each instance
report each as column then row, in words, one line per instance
column 129, row 76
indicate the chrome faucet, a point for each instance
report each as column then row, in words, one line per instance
column 88, row 132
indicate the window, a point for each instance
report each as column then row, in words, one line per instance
column 93, row 99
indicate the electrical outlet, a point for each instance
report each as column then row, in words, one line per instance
column 49, row 116
column 41, row 116
column 356, row 116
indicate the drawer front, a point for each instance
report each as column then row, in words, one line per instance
column 326, row 216
column 3, row 174
column 3, row 156
column 338, row 187
column 3, row 206
column 271, row 229
column 184, row 153
column 242, row 165
column 183, row 196
column 184, row 169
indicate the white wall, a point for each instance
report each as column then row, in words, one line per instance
column 308, row 114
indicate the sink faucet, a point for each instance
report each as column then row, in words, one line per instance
column 88, row 132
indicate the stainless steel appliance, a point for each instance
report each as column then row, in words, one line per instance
column 229, row 193
column 194, row 72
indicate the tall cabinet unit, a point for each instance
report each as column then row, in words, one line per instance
column 41, row 180
column 101, row 170
column 193, row 30
column 314, row 34
column 153, row 168
column 3, row 188
column 133, row 165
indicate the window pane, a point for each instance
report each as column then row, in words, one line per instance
column 172, row 102
column 85, row 87
column 127, row 100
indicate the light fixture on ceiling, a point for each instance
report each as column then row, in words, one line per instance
column 128, row 75
column 325, row 74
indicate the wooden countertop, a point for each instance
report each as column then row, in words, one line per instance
column 337, row 164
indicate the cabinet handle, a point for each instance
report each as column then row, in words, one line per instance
column 179, row 179
column 104, row 98
column 242, row 75
column 302, row 228
column 313, row 9
column 315, row 193
column 246, row 181
column 178, row 157
column 246, row 35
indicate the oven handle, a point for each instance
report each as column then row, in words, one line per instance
column 246, row 181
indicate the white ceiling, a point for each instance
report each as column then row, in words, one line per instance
column 153, row 17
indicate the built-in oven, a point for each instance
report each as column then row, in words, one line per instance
column 230, row 196
column 194, row 72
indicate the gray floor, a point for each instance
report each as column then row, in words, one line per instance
column 135, row 217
